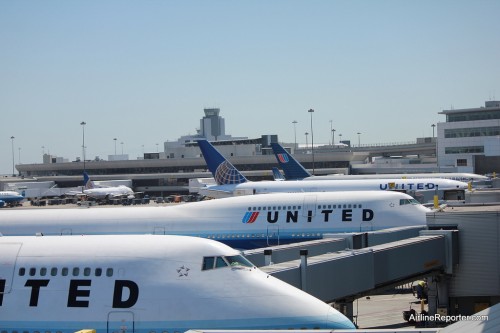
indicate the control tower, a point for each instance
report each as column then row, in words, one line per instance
column 212, row 126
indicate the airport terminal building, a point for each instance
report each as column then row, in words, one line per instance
column 470, row 139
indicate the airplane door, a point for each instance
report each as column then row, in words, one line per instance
column 121, row 322
column 309, row 206
column 159, row 231
column 66, row 232
column 273, row 236
column 8, row 256
column 366, row 226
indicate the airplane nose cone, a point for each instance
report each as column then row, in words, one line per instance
column 337, row 320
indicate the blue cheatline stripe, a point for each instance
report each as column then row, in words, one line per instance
column 180, row 326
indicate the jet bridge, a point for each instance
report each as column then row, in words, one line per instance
column 341, row 274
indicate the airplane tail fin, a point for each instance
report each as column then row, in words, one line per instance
column 277, row 175
column 223, row 171
column 292, row 168
column 87, row 183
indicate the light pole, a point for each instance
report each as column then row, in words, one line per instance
column 12, row 143
column 311, row 111
column 331, row 126
column 295, row 133
column 333, row 137
column 340, row 138
column 122, row 146
column 433, row 126
column 307, row 145
column 359, row 139
column 114, row 139
column 83, row 143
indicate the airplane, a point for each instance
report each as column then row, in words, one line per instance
column 108, row 192
column 295, row 171
column 145, row 283
column 230, row 182
column 10, row 198
column 244, row 222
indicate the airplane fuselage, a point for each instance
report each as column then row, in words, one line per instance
column 144, row 283
column 10, row 198
column 410, row 185
column 242, row 222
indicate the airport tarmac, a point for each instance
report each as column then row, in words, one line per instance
column 384, row 311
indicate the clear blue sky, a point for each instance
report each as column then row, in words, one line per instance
column 142, row 71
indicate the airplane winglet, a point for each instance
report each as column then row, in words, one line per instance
column 223, row 171
column 291, row 167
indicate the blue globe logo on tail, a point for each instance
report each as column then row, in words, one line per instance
column 226, row 173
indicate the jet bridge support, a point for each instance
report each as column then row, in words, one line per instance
column 343, row 276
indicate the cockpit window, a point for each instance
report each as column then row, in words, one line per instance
column 220, row 262
column 225, row 261
column 238, row 261
column 408, row 202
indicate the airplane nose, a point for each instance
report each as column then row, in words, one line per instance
column 337, row 320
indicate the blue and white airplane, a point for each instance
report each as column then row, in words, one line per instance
column 230, row 182
column 295, row 171
column 143, row 284
column 244, row 222
column 102, row 192
column 10, row 198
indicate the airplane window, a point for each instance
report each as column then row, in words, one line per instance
column 345, row 206
column 32, row 271
column 64, row 271
column 43, row 271
column 349, row 206
column 109, row 272
column 268, row 208
column 249, row 208
column 98, row 272
column 238, row 260
column 274, row 207
column 22, row 271
column 359, row 206
column 220, row 262
column 53, row 271
column 86, row 271
column 76, row 271
column 263, row 208
column 208, row 263
column 299, row 207
column 334, row 206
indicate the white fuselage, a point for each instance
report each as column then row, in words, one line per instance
column 145, row 283
column 460, row 176
column 410, row 185
column 242, row 222
column 109, row 192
